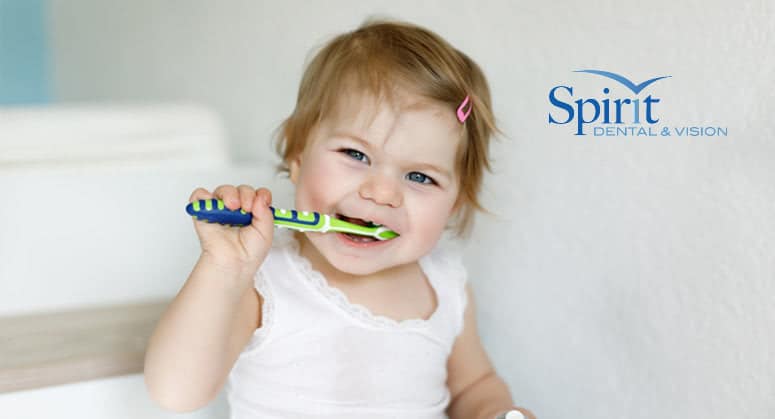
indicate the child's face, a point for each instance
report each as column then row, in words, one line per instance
column 386, row 179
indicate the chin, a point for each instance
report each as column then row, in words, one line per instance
column 361, row 268
column 351, row 270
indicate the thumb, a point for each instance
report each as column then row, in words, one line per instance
column 262, row 225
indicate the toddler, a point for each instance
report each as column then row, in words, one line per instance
column 391, row 126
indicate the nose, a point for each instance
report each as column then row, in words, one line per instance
column 382, row 190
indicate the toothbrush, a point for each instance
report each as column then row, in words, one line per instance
column 214, row 211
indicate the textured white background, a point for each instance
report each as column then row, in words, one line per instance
column 623, row 278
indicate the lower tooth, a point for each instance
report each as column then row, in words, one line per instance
column 360, row 239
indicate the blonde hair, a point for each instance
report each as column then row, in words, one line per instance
column 382, row 54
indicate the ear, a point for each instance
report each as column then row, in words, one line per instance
column 294, row 168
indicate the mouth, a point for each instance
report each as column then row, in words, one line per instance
column 361, row 222
column 358, row 221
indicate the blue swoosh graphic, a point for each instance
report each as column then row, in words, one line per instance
column 623, row 80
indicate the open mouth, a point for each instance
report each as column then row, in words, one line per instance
column 357, row 221
column 354, row 237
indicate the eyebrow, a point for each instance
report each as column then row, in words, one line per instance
column 368, row 145
column 353, row 137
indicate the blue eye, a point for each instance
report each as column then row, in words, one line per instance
column 420, row 178
column 354, row 154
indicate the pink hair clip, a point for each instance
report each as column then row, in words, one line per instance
column 462, row 116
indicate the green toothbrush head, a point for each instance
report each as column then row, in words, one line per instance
column 378, row 232
column 383, row 233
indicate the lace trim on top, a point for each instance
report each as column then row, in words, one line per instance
column 318, row 281
column 267, row 311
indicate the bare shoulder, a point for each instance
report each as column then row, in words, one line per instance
column 468, row 362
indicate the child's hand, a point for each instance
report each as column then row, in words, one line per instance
column 237, row 249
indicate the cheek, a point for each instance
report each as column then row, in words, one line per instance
column 431, row 216
column 310, row 192
column 319, row 184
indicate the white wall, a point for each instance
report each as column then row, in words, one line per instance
column 626, row 277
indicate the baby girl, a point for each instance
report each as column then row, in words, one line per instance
column 391, row 127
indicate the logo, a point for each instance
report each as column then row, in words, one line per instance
column 608, row 116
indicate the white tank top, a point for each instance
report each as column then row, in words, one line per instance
column 316, row 355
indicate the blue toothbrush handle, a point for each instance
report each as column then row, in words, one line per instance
column 214, row 211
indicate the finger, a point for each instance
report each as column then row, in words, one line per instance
column 229, row 195
column 246, row 196
column 263, row 219
column 199, row 193
column 262, row 225
column 266, row 195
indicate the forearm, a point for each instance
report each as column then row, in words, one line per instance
column 187, row 355
column 484, row 399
